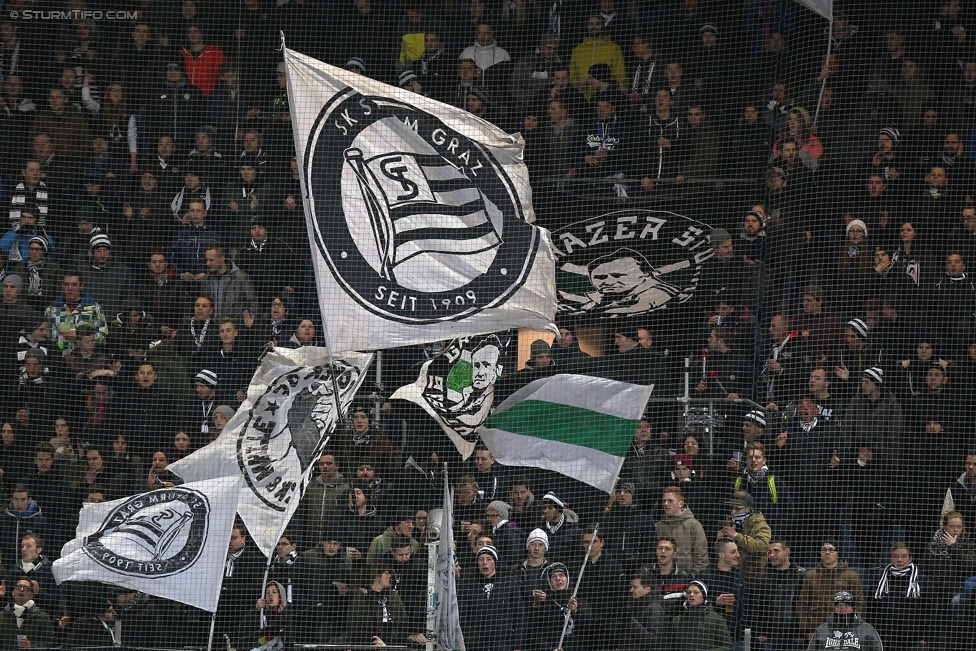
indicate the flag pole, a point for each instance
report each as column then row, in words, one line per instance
column 284, row 525
column 213, row 621
column 308, row 229
column 579, row 579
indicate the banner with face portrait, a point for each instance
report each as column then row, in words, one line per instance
column 457, row 388
column 629, row 263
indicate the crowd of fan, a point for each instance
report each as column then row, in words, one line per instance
column 157, row 249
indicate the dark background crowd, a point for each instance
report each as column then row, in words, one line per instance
column 157, row 249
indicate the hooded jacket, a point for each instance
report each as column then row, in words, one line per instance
column 485, row 56
column 17, row 524
column 233, row 292
column 692, row 552
column 699, row 629
column 855, row 634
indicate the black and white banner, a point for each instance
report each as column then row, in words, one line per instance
column 629, row 263
column 419, row 214
column 457, row 388
column 170, row 542
column 278, row 434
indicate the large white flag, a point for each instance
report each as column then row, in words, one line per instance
column 170, row 542
column 419, row 214
column 278, row 434
column 447, row 621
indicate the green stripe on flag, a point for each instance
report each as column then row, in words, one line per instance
column 565, row 424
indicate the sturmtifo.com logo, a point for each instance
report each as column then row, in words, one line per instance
column 397, row 194
column 155, row 534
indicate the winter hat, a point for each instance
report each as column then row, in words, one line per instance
column 684, row 460
column 488, row 549
column 552, row 568
column 206, row 376
column 935, row 364
column 551, row 499
column 404, row 514
column 550, row 38
column 859, row 327
column 225, row 410
column 777, row 173
column 701, row 586
column 540, row 535
column 718, row 236
column 15, row 280
column 176, row 63
column 282, row 68
column 741, row 498
column 757, row 417
column 629, row 487
column 875, row 374
column 37, row 354
column 406, row 77
column 892, row 133
column 708, row 27
column 37, row 239
column 539, row 347
column 857, row 222
column 356, row 62
column 804, row 114
column 480, row 93
column 501, row 508
column 99, row 241
column 844, row 597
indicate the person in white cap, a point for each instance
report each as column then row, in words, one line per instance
column 528, row 573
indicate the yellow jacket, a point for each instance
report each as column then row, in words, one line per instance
column 592, row 51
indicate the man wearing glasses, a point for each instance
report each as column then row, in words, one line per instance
column 820, row 584
column 23, row 624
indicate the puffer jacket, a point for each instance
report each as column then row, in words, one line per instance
column 692, row 553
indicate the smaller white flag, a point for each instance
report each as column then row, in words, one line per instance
column 447, row 620
column 170, row 542
column 277, row 435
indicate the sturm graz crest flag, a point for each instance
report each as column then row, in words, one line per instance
column 419, row 214
column 457, row 387
column 278, row 434
column 629, row 263
column 170, row 542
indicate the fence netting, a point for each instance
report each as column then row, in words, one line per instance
column 765, row 214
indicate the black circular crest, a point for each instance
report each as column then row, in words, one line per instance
column 629, row 263
column 285, row 430
column 154, row 534
column 417, row 222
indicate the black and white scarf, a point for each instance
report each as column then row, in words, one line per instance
column 553, row 528
column 34, row 270
column 198, row 339
column 913, row 591
column 229, row 563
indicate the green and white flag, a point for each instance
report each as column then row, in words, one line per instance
column 576, row 425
